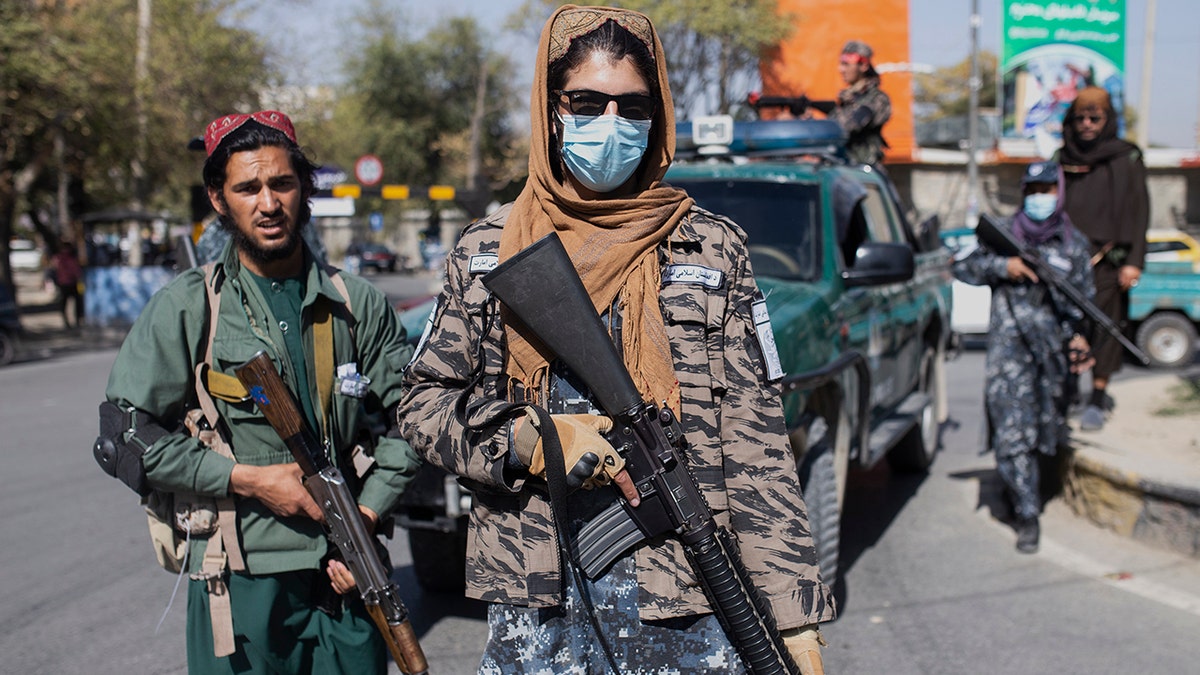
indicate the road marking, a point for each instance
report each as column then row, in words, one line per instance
column 1103, row 572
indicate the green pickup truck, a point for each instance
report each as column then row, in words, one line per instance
column 859, row 300
column 859, row 306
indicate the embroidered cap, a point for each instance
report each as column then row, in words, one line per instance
column 221, row 127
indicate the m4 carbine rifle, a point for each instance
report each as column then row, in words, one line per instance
column 343, row 521
column 1002, row 242
column 541, row 287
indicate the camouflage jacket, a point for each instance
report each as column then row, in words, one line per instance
column 1028, row 328
column 731, row 416
column 862, row 110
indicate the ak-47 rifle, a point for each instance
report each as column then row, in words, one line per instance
column 796, row 105
column 1001, row 241
column 343, row 521
column 541, row 287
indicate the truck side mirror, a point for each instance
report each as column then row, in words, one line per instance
column 878, row 263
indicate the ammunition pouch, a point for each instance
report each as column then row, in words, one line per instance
column 125, row 435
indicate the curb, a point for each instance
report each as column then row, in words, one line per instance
column 1101, row 487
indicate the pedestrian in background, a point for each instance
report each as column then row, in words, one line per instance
column 603, row 136
column 1035, row 339
column 68, row 280
column 1107, row 199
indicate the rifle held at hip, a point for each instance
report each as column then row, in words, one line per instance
column 343, row 523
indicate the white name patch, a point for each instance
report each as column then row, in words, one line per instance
column 693, row 274
column 483, row 263
column 766, row 340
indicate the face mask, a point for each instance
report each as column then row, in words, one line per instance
column 603, row 152
column 1040, row 206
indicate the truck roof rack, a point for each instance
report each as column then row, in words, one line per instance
column 720, row 135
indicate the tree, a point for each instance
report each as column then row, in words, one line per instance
column 945, row 92
column 67, row 71
column 414, row 102
column 712, row 46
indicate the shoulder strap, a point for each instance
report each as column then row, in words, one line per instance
column 223, row 546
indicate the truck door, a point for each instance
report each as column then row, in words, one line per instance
column 894, row 320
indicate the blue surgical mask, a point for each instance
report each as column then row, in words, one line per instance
column 603, row 152
column 1040, row 205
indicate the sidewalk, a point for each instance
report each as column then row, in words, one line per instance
column 1140, row 475
column 43, row 333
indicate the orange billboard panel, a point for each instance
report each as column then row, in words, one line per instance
column 807, row 62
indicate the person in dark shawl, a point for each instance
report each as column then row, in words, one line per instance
column 1107, row 199
column 1034, row 341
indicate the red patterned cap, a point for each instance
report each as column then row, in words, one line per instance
column 221, row 127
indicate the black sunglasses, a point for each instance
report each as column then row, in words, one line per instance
column 1094, row 119
column 593, row 103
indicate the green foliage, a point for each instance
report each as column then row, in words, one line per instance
column 946, row 90
column 67, row 69
column 411, row 101
column 712, row 46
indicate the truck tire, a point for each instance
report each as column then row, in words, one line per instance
column 1169, row 339
column 439, row 559
column 8, row 347
column 819, row 482
column 914, row 453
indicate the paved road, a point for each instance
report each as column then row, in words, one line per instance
column 932, row 585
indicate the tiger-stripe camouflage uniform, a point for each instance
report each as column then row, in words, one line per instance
column 862, row 110
column 1026, row 360
column 731, row 416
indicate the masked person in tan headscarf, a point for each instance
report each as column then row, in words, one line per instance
column 673, row 285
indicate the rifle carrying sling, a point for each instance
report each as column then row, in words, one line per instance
column 173, row 515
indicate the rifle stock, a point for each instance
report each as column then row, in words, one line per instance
column 541, row 287
column 343, row 522
column 1000, row 240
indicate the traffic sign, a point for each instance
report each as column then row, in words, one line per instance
column 395, row 192
column 347, row 190
column 441, row 192
column 368, row 170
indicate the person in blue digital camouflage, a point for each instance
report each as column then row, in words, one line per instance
column 675, row 287
column 1035, row 339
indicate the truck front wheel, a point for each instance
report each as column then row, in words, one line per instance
column 914, row 453
column 1169, row 339
column 819, row 482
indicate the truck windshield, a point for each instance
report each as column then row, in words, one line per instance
column 781, row 220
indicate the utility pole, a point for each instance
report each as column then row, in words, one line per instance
column 1143, row 121
column 141, row 75
column 973, row 122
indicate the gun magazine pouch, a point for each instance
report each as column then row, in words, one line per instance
column 125, row 435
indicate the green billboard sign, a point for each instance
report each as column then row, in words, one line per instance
column 1052, row 49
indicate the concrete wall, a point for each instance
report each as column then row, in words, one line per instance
column 942, row 189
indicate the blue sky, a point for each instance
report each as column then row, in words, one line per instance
column 317, row 32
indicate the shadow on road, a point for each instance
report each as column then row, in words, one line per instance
column 426, row 608
column 874, row 497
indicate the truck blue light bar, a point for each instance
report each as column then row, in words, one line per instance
column 720, row 135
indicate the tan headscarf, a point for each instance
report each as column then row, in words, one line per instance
column 612, row 242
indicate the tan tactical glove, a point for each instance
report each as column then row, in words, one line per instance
column 589, row 458
column 804, row 644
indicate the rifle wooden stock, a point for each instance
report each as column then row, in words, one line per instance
column 343, row 522
column 541, row 287
column 996, row 237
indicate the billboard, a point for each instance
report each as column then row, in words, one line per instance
column 1051, row 50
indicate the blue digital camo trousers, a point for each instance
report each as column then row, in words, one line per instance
column 561, row 641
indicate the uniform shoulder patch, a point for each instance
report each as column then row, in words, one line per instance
column 766, row 338
column 482, row 263
column 697, row 275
